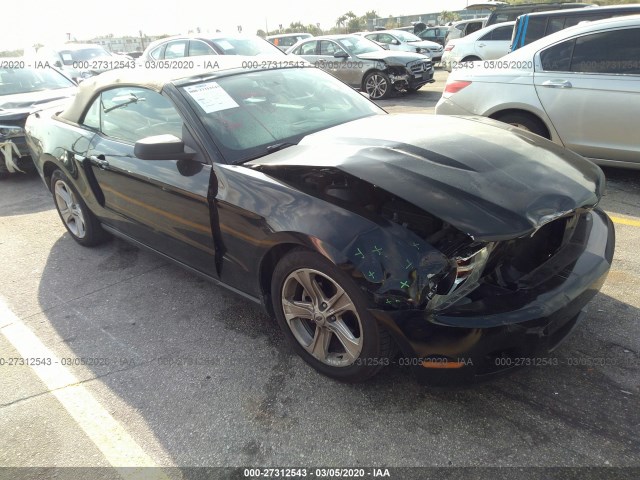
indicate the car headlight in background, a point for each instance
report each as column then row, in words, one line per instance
column 10, row 131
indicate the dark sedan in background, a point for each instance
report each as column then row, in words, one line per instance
column 461, row 242
column 24, row 90
column 365, row 65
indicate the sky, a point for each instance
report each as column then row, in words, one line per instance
column 48, row 21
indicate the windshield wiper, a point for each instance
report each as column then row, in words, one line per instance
column 129, row 101
column 279, row 146
column 269, row 149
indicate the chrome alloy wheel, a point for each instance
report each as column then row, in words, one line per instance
column 322, row 317
column 69, row 209
column 376, row 86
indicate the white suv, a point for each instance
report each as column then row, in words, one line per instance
column 579, row 87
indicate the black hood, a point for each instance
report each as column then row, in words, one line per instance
column 20, row 105
column 490, row 180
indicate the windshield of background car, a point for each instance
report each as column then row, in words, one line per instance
column 406, row 36
column 81, row 55
column 25, row 80
column 359, row 45
column 253, row 113
column 245, row 46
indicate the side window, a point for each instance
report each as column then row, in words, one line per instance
column 373, row 38
column 473, row 27
column 500, row 33
column 555, row 25
column 175, row 49
column 558, row 57
column 308, row 48
column 385, row 38
column 197, row 47
column 535, row 29
column 613, row 52
column 328, row 48
column 288, row 41
column 133, row 113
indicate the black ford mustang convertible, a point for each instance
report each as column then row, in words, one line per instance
column 460, row 242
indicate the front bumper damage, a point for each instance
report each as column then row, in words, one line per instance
column 499, row 329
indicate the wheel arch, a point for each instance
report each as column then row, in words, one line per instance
column 551, row 134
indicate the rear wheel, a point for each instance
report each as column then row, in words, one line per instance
column 526, row 122
column 377, row 85
column 324, row 316
column 79, row 221
column 471, row 59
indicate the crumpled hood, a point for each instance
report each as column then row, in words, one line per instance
column 19, row 105
column 489, row 180
column 393, row 56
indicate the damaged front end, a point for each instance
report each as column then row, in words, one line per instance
column 412, row 260
column 410, row 76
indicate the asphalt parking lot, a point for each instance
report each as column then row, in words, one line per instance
column 179, row 373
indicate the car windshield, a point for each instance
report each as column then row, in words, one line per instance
column 254, row 113
column 25, row 80
column 82, row 54
column 244, row 46
column 359, row 45
column 406, row 36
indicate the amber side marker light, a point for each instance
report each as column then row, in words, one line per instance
column 455, row 87
column 440, row 364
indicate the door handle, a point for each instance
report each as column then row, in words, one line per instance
column 99, row 161
column 557, row 84
column 482, row 45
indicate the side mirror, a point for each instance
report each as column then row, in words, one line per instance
column 396, row 42
column 162, row 147
column 341, row 55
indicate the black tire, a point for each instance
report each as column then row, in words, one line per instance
column 470, row 59
column 375, row 344
column 377, row 85
column 526, row 122
column 91, row 233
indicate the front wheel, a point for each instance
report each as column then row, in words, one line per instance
column 377, row 85
column 324, row 316
column 79, row 221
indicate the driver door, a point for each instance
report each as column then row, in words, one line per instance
column 162, row 204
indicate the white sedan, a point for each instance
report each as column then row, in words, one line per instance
column 579, row 87
column 488, row 43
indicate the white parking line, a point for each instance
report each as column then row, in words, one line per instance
column 115, row 443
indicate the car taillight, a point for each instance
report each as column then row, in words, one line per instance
column 454, row 87
column 449, row 47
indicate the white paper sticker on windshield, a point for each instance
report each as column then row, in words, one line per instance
column 67, row 57
column 211, row 97
column 224, row 45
